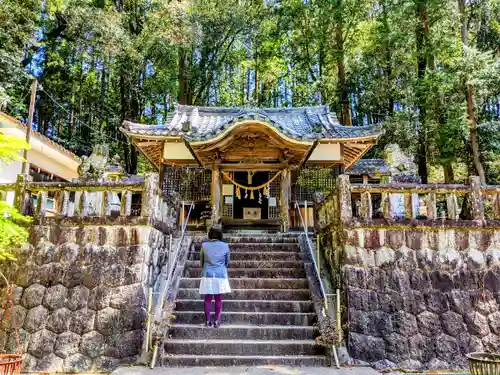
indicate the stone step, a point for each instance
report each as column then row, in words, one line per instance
column 256, row 264
column 255, row 256
column 232, row 360
column 260, row 239
column 259, row 247
column 242, row 347
column 250, row 283
column 251, row 306
column 253, row 294
column 274, row 273
column 236, row 332
column 264, row 318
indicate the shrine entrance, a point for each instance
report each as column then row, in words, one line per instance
column 249, row 208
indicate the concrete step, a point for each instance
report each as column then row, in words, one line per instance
column 242, row 347
column 251, row 306
column 257, row 318
column 249, row 332
column 232, row 360
column 258, row 247
column 253, row 294
column 250, row 283
column 255, row 256
column 267, row 273
column 256, row 264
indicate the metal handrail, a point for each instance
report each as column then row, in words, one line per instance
column 170, row 271
column 176, row 253
column 316, row 269
column 323, row 293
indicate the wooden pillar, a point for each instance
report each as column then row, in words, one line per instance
column 216, row 195
column 285, row 198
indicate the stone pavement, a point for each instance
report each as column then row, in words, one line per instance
column 256, row 370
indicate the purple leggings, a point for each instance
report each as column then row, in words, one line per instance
column 208, row 306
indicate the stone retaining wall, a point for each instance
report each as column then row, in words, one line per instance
column 421, row 297
column 79, row 296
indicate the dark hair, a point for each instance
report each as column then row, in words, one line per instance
column 215, row 234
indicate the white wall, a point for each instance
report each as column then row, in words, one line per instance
column 177, row 151
column 37, row 159
column 326, row 152
column 8, row 173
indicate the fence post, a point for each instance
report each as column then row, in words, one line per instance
column 452, row 206
column 20, row 198
column 366, row 206
column 151, row 186
column 476, row 198
column 430, row 204
column 344, row 196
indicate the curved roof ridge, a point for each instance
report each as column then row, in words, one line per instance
column 186, row 107
column 300, row 123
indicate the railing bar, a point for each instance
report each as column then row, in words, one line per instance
column 323, row 293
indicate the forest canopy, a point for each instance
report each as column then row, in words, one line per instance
column 427, row 70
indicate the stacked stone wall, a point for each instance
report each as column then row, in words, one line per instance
column 79, row 298
column 421, row 297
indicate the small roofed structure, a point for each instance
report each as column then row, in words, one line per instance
column 369, row 171
column 250, row 163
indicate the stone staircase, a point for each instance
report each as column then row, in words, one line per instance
column 267, row 319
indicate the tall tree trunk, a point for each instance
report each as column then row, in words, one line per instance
column 256, row 78
column 344, row 92
column 474, row 141
column 183, row 95
column 248, row 85
column 422, row 38
column 449, row 175
column 388, row 58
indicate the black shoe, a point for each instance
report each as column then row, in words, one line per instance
column 208, row 324
column 217, row 324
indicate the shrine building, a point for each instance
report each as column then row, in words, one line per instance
column 250, row 165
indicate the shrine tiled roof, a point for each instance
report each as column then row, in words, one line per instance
column 202, row 123
column 369, row 167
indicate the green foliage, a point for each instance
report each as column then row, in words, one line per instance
column 10, row 148
column 13, row 231
column 12, row 224
column 105, row 61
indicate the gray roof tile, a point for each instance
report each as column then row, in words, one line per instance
column 368, row 167
column 305, row 123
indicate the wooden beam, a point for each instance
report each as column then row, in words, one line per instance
column 308, row 154
column 148, row 143
column 146, row 155
column 247, row 167
column 193, row 153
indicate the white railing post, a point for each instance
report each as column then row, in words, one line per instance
column 305, row 214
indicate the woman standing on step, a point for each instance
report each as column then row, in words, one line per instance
column 214, row 258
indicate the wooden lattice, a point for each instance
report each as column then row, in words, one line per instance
column 187, row 184
column 274, row 191
column 307, row 182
